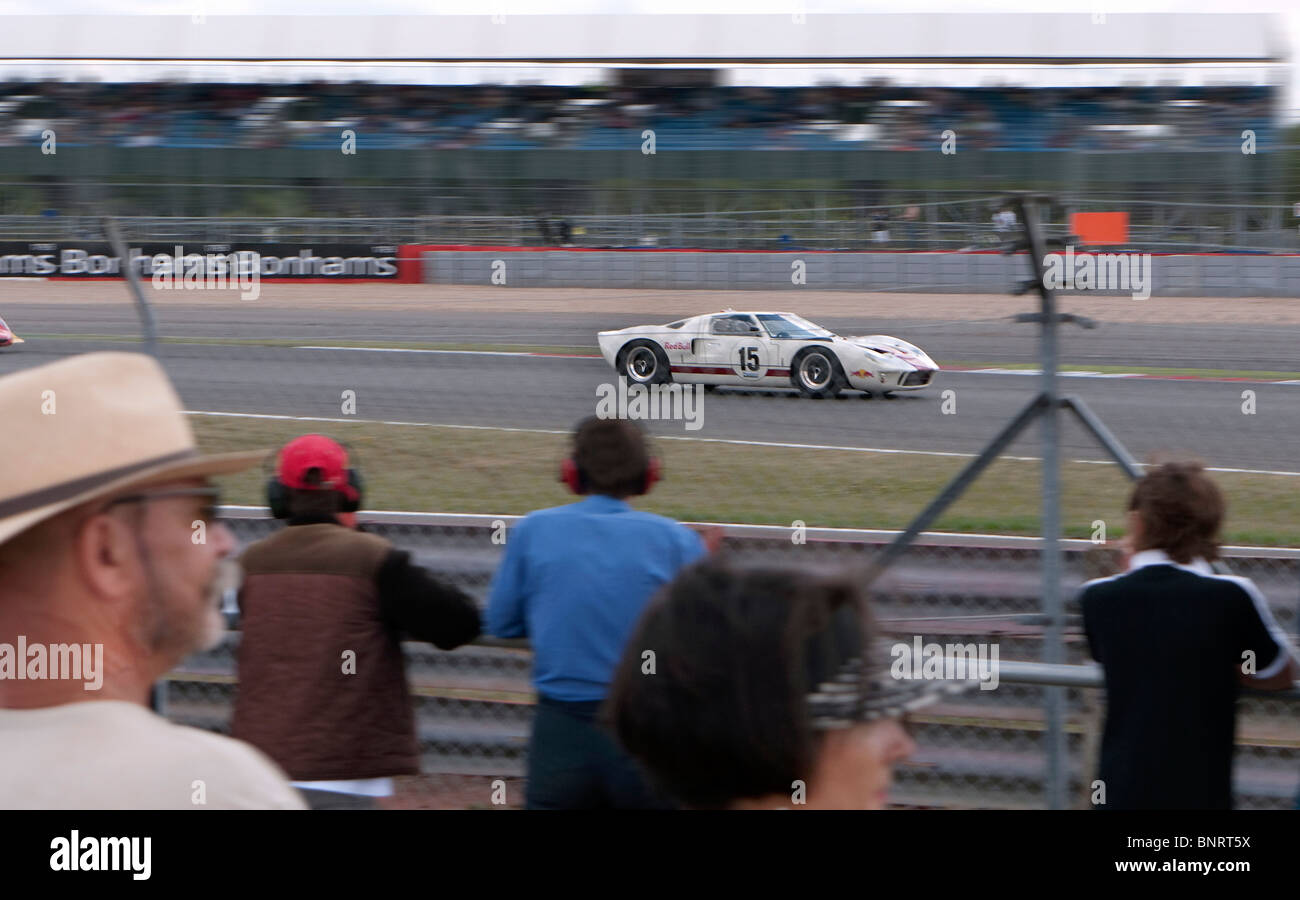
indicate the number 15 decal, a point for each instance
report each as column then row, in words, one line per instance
column 749, row 359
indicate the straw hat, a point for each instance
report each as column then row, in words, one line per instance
column 92, row 426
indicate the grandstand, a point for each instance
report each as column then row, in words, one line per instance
column 611, row 117
column 838, row 113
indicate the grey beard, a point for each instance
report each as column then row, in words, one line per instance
column 200, row 630
column 228, row 577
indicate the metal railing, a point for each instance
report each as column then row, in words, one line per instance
column 474, row 709
column 1204, row 229
column 474, row 705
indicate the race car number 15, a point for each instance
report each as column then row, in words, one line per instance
column 749, row 359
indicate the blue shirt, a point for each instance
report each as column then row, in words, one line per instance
column 575, row 579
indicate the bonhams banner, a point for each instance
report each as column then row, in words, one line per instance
column 200, row 262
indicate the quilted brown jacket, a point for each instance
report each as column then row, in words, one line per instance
column 322, row 681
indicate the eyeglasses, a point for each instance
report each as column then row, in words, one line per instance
column 209, row 511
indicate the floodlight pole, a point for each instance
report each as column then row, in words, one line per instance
column 1046, row 403
column 1053, row 608
column 148, row 326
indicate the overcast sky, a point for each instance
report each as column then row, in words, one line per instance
column 1287, row 12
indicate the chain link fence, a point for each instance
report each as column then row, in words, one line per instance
column 460, row 398
column 953, row 222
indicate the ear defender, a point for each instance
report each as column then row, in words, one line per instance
column 653, row 472
column 277, row 498
column 572, row 476
column 357, row 485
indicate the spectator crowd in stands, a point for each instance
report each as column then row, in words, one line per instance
column 393, row 116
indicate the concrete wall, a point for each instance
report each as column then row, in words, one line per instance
column 1201, row 275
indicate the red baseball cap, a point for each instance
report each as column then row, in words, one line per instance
column 315, row 451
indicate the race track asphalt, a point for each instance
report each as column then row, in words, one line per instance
column 1204, row 417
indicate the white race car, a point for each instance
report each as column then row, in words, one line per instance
column 765, row 349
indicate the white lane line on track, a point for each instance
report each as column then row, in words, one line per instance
column 1039, row 372
column 999, row 371
column 1142, row 375
column 460, row 352
column 1029, row 372
column 888, row 451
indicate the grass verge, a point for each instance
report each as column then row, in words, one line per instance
column 439, row 469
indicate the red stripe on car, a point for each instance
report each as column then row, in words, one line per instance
column 719, row 370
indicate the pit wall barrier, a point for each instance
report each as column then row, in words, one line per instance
column 1164, row 275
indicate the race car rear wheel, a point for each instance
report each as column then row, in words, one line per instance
column 644, row 362
column 817, row 373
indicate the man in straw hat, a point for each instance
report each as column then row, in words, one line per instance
column 111, row 571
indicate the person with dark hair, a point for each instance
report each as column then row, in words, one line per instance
column 574, row 580
column 323, row 611
column 770, row 691
column 880, row 226
column 1176, row 640
column 545, row 230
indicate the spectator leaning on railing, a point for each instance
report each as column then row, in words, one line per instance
column 1175, row 640
column 573, row 580
column 112, row 565
column 323, row 609
column 769, row 691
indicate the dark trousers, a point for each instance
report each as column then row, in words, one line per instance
column 573, row 763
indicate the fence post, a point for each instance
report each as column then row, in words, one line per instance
column 1053, row 649
column 148, row 326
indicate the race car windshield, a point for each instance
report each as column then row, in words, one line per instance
column 792, row 327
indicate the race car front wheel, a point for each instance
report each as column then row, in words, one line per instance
column 645, row 363
column 816, row 373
